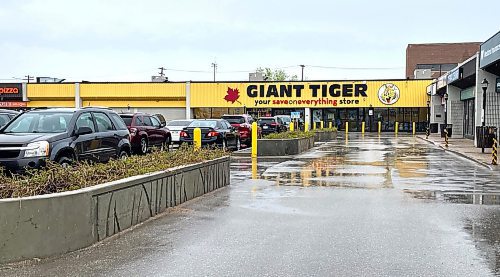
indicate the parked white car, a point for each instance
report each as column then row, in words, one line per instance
column 175, row 127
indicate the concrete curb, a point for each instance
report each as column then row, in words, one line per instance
column 285, row 147
column 58, row 223
column 457, row 153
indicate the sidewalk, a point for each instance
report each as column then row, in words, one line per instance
column 465, row 148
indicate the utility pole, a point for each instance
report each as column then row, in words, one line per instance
column 28, row 78
column 302, row 71
column 214, row 65
column 161, row 71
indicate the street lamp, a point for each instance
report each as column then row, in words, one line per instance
column 446, row 111
column 484, row 86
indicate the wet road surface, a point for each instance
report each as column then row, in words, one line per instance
column 366, row 206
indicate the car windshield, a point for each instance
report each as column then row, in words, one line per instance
column 179, row 123
column 40, row 122
column 234, row 119
column 285, row 119
column 266, row 120
column 127, row 119
column 4, row 119
column 203, row 123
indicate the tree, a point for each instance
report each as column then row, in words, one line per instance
column 276, row 74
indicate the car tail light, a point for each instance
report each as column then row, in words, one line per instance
column 212, row 134
column 183, row 134
column 274, row 124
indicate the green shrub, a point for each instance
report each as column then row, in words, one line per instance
column 290, row 135
column 55, row 178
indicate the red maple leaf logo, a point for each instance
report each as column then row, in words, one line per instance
column 232, row 95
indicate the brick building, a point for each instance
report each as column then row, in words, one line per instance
column 432, row 60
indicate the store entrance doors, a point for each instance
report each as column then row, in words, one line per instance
column 469, row 118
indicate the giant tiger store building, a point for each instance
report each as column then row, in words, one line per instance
column 387, row 101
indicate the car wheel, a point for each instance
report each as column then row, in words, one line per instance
column 123, row 155
column 65, row 161
column 165, row 146
column 144, row 146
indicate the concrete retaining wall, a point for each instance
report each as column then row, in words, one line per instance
column 53, row 224
column 321, row 136
column 283, row 147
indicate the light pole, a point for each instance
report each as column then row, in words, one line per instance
column 444, row 130
column 484, row 86
column 302, row 79
column 446, row 110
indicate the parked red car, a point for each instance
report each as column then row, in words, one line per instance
column 146, row 131
column 243, row 123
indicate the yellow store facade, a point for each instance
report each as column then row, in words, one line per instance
column 387, row 101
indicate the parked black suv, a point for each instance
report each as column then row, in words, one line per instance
column 63, row 136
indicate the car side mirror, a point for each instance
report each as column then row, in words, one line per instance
column 83, row 131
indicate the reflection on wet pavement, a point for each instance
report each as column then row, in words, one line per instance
column 420, row 170
column 406, row 163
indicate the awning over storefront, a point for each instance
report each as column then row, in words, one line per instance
column 489, row 59
column 463, row 76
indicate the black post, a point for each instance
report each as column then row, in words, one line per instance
column 429, row 115
column 302, row 71
column 484, row 85
column 445, row 111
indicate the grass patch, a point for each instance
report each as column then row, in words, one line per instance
column 290, row 135
column 54, row 178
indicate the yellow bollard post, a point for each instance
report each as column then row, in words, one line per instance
column 254, row 168
column 255, row 130
column 346, row 128
column 363, row 127
column 306, row 127
column 379, row 127
column 321, row 125
column 329, row 125
column 292, row 127
column 197, row 138
column 396, row 128
column 314, row 125
column 414, row 128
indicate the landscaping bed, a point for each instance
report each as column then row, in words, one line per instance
column 285, row 144
column 322, row 135
column 70, row 208
column 55, row 178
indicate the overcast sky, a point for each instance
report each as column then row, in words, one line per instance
column 127, row 40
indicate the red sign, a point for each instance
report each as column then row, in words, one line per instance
column 16, row 104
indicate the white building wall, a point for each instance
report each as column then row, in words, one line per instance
column 455, row 111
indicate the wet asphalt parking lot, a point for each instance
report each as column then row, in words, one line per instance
column 366, row 206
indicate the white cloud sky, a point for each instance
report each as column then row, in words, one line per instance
column 125, row 40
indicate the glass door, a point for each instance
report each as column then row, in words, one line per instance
column 469, row 118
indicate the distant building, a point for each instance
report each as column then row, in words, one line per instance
column 257, row 76
column 432, row 60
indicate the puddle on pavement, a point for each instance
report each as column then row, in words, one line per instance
column 420, row 170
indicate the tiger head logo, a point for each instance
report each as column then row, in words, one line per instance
column 388, row 94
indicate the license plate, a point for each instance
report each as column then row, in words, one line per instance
column 266, row 127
